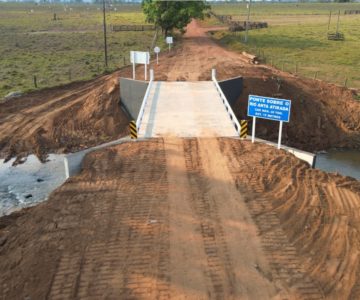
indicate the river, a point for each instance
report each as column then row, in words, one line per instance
column 345, row 162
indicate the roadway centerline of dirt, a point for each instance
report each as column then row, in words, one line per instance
column 211, row 231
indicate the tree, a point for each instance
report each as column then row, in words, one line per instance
column 171, row 15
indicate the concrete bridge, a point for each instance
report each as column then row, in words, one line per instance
column 185, row 109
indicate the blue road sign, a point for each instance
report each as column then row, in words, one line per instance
column 269, row 108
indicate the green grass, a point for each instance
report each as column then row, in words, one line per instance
column 65, row 50
column 301, row 40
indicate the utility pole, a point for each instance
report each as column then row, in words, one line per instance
column 337, row 25
column 247, row 22
column 105, row 43
column 329, row 20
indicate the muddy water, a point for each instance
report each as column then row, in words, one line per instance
column 29, row 183
column 345, row 162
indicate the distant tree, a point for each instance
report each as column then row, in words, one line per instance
column 171, row 15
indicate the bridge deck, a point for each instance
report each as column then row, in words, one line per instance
column 185, row 109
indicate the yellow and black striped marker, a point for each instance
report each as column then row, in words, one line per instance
column 244, row 128
column 133, row 130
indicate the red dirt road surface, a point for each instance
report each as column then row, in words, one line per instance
column 187, row 219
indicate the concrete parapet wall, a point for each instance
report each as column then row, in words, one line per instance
column 308, row 157
column 73, row 161
column 131, row 95
column 232, row 89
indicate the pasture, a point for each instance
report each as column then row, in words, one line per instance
column 296, row 39
column 66, row 49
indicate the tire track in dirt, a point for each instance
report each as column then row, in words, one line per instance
column 124, row 250
column 217, row 255
column 286, row 268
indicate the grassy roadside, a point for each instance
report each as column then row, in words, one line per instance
column 297, row 39
column 61, row 51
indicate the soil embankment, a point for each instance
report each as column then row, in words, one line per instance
column 80, row 115
column 187, row 218
column 62, row 119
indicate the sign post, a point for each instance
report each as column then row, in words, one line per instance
column 253, row 130
column 280, row 133
column 271, row 109
column 169, row 40
column 138, row 57
column 157, row 51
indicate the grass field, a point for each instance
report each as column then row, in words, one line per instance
column 297, row 34
column 68, row 49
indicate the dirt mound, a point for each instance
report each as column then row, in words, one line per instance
column 316, row 212
column 62, row 119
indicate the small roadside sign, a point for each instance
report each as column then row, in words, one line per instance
column 139, row 57
column 271, row 109
column 157, row 51
column 169, row 41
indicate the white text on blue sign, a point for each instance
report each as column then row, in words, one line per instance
column 269, row 108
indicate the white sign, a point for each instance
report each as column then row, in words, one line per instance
column 157, row 51
column 138, row 57
column 169, row 40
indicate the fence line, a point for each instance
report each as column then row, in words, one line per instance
column 296, row 68
column 132, row 27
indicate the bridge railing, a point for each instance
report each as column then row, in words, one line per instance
column 228, row 108
column 146, row 96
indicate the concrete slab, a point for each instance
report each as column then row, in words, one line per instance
column 185, row 109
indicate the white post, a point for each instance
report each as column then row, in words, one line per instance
column 253, row 130
column 145, row 72
column 280, row 133
column 66, row 164
column 133, row 59
column 213, row 74
column 157, row 58
column 151, row 74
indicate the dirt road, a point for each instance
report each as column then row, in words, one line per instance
column 187, row 218
column 179, row 218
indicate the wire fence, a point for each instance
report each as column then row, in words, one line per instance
column 300, row 68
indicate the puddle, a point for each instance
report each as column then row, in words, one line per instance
column 29, row 183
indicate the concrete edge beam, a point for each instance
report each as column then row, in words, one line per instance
column 73, row 161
